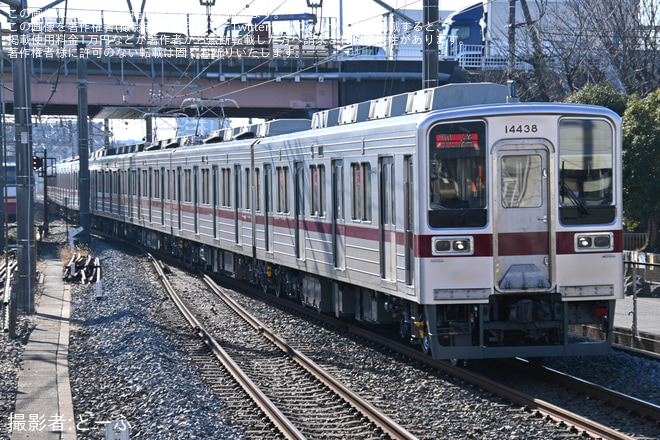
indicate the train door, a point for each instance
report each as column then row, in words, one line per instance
column 409, row 219
column 268, row 205
column 522, row 239
column 338, row 235
column 387, row 219
column 299, row 210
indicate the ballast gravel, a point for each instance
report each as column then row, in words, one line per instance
column 129, row 362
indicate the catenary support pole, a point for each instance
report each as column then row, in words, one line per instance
column 24, row 175
column 83, row 144
column 430, row 44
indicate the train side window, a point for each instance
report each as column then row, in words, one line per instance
column 205, row 187
column 257, row 184
column 96, row 188
column 586, row 158
column 139, row 183
column 361, row 191
column 268, row 187
column 187, row 186
column 317, row 192
column 156, row 184
column 145, row 183
column 247, row 188
column 238, row 186
column 166, row 184
column 282, row 202
column 226, row 187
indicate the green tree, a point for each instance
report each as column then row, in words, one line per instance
column 602, row 94
column 641, row 164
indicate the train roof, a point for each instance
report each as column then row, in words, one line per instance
column 421, row 101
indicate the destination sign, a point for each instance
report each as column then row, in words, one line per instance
column 460, row 140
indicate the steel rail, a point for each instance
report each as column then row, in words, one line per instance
column 390, row 427
column 559, row 415
column 546, row 409
column 280, row 420
column 616, row 398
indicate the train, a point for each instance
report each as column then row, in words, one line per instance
column 469, row 223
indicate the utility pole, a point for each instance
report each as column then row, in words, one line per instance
column 512, row 37
column 208, row 4
column 83, row 144
column 45, row 173
column 430, row 44
column 24, row 173
column 26, row 254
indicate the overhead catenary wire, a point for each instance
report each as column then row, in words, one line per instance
column 263, row 83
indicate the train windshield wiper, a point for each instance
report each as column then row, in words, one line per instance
column 565, row 191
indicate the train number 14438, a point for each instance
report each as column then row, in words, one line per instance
column 513, row 129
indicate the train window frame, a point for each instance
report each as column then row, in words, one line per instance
column 268, row 188
column 225, row 189
column 257, row 189
column 238, row 187
column 282, row 195
column 523, row 199
column 248, row 182
column 156, row 191
column 576, row 207
column 187, row 185
column 95, row 195
column 145, row 183
column 361, row 197
column 458, row 159
column 205, row 198
column 317, row 191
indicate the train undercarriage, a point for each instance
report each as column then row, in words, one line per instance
column 527, row 324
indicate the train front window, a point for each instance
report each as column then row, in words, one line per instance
column 586, row 189
column 457, row 173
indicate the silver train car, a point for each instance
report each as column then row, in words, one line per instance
column 480, row 228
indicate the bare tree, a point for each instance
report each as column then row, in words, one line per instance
column 573, row 42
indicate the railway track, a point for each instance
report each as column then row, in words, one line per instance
column 574, row 422
column 296, row 395
column 614, row 398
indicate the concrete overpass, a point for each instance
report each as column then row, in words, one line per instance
column 125, row 87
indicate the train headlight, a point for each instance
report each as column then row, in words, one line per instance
column 453, row 245
column 461, row 245
column 595, row 242
column 584, row 242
